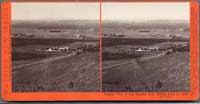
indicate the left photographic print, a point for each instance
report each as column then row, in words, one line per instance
column 55, row 47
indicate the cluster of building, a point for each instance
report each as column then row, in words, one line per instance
column 59, row 49
column 170, row 48
column 64, row 49
column 145, row 49
column 77, row 49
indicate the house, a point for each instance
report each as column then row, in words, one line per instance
column 49, row 50
column 154, row 48
column 171, row 36
column 65, row 48
column 140, row 50
column 80, row 36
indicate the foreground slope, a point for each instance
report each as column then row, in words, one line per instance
column 74, row 73
column 165, row 73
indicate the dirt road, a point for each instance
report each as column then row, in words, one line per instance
column 17, row 68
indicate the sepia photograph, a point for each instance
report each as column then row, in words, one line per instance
column 146, row 47
column 55, row 47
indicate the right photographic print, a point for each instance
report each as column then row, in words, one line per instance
column 145, row 47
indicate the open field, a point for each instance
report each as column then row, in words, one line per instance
column 68, row 29
column 141, row 41
column 157, row 29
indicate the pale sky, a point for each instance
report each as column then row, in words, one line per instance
column 146, row 11
column 110, row 11
column 55, row 11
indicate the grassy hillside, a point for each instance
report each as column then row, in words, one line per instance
column 67, row 74
column 165, row 73
column 173, row 71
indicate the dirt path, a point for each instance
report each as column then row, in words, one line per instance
column 16, row 68
column 114, row 66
